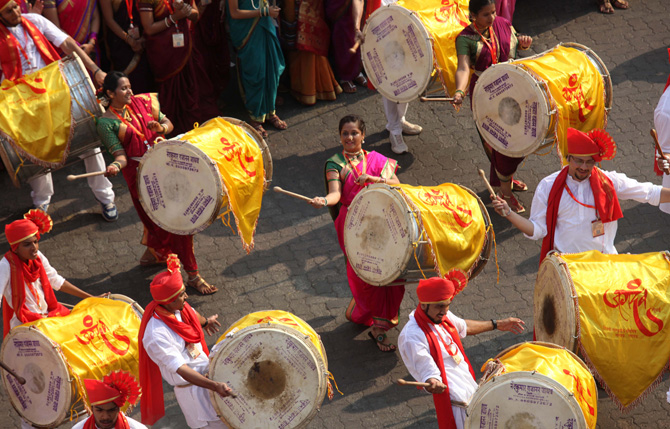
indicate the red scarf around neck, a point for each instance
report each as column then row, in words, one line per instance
column 152, row 404
column 604, row 194
column 445, row 415
column 20, row 274
column 10, row 49
column 121, row 422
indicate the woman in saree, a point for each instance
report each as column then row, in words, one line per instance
column 260, row 61
column 347, row 173
column 185, row 90
column 124, row 44
column 488, row 40
column 129, row 127
column 344, row 17
column 211, row 39
column 80, row 19
column 307, row 37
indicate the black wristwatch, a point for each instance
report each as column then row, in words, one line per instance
column 495, row 324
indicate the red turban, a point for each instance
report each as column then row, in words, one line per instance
column 167, row 286
column 436, row 290
column 597, row 144
column 118, row 387
column 3, row 4
column 34, row 223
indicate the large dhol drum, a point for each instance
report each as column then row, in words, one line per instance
column 517, row 109
column 85, row 109
column 180, row 185
column 54, row 355
column 534, row 385
column 385, row 237
column 276, row 364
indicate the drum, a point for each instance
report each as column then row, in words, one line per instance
column 520, row 106
column 85, row 110
column 410, row 45
column 276, row 364
column 604, row 306
column 182, row 187
column 386, row 235
column 54, row 355
column 534, row 385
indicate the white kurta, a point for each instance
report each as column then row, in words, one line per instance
column 415, row 353
column 36, row 306
column 662, row 125
column 168, row 350
column 134, row 424
column 573, row 226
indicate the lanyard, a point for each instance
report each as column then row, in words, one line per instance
column 168, row 6
column 493, row 47
column 18, row 42
column 129, row 7
column 451, row 348
column 128, row 124
column 576, row 200
column 353, row 169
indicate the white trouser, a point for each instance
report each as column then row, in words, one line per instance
column 395, row 114
column 43, row 186
column 665, row 207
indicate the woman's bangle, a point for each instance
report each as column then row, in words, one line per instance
column 116, row 164
column 172, row 19
column 167, row 23
column 325, row 202
column 165, row 128
column 382, row 180
column 461, row 91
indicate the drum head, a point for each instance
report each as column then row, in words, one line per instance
column 277, row 374
column 139, row 311
column 179, row 187
column 378, row 234
column 554, row 307
column 526, row 400
column 46, row 397
column 397, row 53
column 511, row 110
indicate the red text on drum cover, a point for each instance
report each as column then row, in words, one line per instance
column 101, row 330
column 635, row 297
column 448, row 10
column 575, row 92
column 232, row 149
column 23, row 81
column 580, row 390
column 284, row 320
column 435, row 197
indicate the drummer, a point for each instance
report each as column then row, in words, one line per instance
column 431, row 348
column 27, row 37
column 576, row 209
column 106, row 397
column 346, row 174
column 489, row 40
column 27, row 279
column 173, row 346
column 129, row 127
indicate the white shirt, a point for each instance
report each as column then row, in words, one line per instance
column 36, row 306
column 134, row 424
column 53, row 34
column 662, row 125
column 168, row 350
column 573, row 226
column 415, row 353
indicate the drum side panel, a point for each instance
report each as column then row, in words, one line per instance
column 377, row 235
column 277, row 374
column 46, row 397
column 526, row 400
column 554, row 310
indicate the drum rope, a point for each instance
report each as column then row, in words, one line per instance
column 554, row 106
column 417, row 216
column 225, row 219
column 74, row 414
column 331, row 392
column 495, row 251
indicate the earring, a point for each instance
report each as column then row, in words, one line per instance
column 363, row 141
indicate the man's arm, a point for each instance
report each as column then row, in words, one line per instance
column 503, row 209
column 69, row 46
column 73, row 290
column 194, row 377
column 511, row 324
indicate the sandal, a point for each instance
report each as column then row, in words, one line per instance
column 519, row 186
column 619, row 4
column 276, row 122
column 151, row 258
column 259, row 127
column 201, row 286
column 379, row 341
column 605, row 7
column 361, row 80
column 348, row 86
column 513, row 203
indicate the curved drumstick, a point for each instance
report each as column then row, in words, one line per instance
column 658, row 145
column 72, row 177
column 292, row 194
column 488, row 185
column 20, row 379
column 354, row 48
column 402, row 382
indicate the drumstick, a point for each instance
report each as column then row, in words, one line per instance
column 354, row 48
column 402, row 382
column 654, row 135
column 72, row 177
column 292, row 194
column 20, row 379
column 488, row 185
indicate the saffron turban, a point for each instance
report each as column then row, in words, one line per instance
column 167, row 286
column 118, row 387
column 4, row 4
column 34, row 223
column 437, row 290
column 597, row 144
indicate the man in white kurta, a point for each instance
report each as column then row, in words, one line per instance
column 435, row 296
column 31, row 61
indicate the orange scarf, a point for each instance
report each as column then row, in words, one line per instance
column 10, row 49
column 604, row 194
